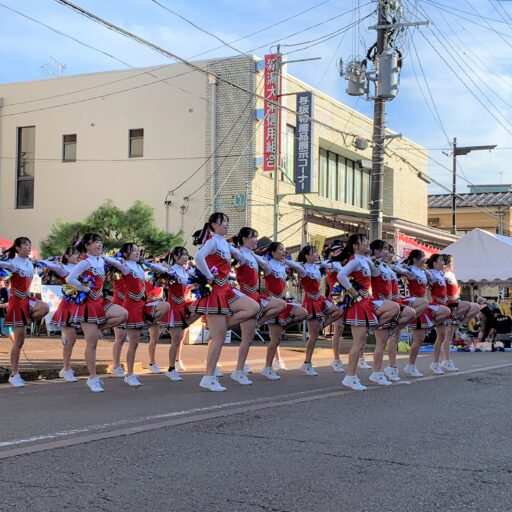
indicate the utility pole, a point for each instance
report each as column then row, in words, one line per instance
column 379, row 112
column 459, row 151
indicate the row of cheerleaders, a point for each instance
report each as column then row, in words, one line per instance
column 363, row 293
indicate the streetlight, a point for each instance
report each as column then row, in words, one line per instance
column 459, row 151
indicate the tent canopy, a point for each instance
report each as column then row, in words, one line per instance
column 482, row 258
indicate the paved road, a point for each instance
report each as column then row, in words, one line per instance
column 296, row 445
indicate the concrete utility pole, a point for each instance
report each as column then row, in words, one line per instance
column 379, row 112
column 459, row 151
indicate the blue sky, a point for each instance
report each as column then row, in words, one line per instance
column 472, row 42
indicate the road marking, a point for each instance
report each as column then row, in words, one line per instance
column 127, row 427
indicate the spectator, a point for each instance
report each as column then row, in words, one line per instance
column 501, row 328
column 485, row 316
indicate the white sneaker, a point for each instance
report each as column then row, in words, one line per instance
column 218, row 372
column 307, row 369
column 361, row 363
column 174, row 376
column 16, row 381
column 180, row 367
column 379, row 378
column 118, row 371
column 94, row 384
column 132, row 381
column 391, row 373
column 436, row 368
column 448, row 365
column 337, row 366
column 247, row 368
column 279, row 364
column 211, row 384
column 240, row 377
column 270, row 373
column 352, row 382
column 154, row 368
column 67, row 375
column 413, row 371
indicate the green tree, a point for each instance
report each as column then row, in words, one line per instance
column 137, row 224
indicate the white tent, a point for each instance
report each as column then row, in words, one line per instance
column 482, row 258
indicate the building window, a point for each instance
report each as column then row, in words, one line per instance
column 288, row 174
column 343, row 180
column 322, row 175
column 136, row 143
column 25, row 167
column 69, row 148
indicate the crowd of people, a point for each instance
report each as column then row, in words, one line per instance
column 224, row 285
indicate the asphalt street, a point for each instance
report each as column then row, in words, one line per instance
column 300, row 444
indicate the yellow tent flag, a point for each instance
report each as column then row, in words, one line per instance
column 318, row 242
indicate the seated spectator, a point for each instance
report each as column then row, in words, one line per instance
column 501, row 328
column 484, row 318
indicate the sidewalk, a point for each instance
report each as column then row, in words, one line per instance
column 42, row 357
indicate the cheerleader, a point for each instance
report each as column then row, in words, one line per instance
column 439, row 299
column 275, row 283
column 119, row 296
column 247, row 275
column 317, row 307
column 461, row 310
column 426, row 315
column 363, row 312
column 154, row 293
column 94, row 312
column 140, row 310
column 179, row 316
column 332, row 254
column 21, row 309
column 224, row 306
column 61, row 319
column 382, row 288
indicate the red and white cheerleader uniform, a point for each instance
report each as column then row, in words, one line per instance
column 20, row 304
column 316, row 305
column 216, row 253
column 360, row 313
column 119, row 291
column 332, row 277
column 382, row 283
column 247, row 275
column 140, row 311
column 438, row 289
column 62, row 316
column 93, row 309
column 452, row 291
column 179, row 312
column 275, row 283
column 417, row 282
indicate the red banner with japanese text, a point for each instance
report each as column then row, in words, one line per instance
column 271, row 130
column 406, row 244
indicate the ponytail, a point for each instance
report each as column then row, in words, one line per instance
column 305, row 251
column 433, row 259
column 12, row 252
column 271, row 248
column 415, row 254
column 67, row 253
column 348, row 250
column 238, row 240
column 203, row 235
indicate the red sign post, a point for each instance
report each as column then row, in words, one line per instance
column 271, row 128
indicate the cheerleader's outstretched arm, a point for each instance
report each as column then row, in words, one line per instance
column 54, row 267
column 346, row 271
column 263, row 263
column 114, row 262
column 200, row 258
column 397, row 267
column 8, row 265
column 297, row 267
column 73, row 276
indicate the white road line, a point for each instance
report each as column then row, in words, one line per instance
column 90, row 433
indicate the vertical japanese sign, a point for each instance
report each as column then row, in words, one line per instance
column 271, row 130
column 303, row 143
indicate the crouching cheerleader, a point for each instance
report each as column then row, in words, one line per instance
column 363, row 312
column 275, row 283
column 94, row 312
column 224, row 306
column 247, row 275
column 140, row 311
column 21, row 309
